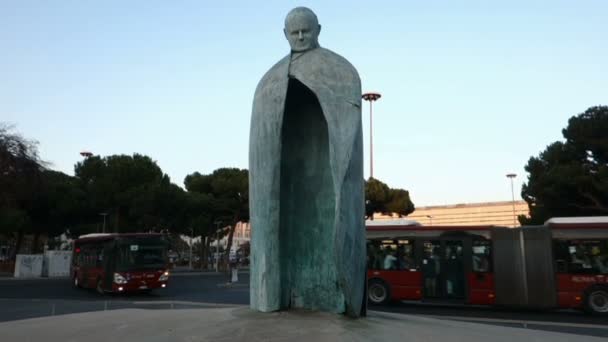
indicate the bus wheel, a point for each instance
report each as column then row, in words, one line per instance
column 99, row 287
column 596, row 301
column 378, row 292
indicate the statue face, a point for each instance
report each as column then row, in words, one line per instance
column 302, row 31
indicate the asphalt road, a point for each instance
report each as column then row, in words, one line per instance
column 21, row 299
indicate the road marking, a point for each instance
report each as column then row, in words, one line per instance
column 515, row 321
column 181, row 302
column 182, row 274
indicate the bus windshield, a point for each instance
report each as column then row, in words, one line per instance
column 137, row 255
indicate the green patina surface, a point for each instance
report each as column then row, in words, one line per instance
column 308, row 270
column 306, row 180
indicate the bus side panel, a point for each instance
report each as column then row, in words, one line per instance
column 409, row 286
column 566, row 292
column 404, row 285
column 508, row 267
column 540, row 270
column 109, row 264
column 571, row 288
column 94, row 273
column 481, row 287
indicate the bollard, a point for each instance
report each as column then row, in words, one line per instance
column 235, row 275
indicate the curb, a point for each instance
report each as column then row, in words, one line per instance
column 11, row 278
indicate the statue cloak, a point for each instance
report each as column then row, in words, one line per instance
column 304, row 189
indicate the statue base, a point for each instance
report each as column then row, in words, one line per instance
column 240, row 323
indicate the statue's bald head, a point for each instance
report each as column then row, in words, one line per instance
column 302, row 29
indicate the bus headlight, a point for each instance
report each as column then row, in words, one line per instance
column 119, row 279
column 164, row 276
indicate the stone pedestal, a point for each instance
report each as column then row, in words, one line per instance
column 242, row 324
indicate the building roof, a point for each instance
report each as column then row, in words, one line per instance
column 593, row 222
column 392, row 222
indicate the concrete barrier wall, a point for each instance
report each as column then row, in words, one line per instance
column 28, row 265
column 57, row 263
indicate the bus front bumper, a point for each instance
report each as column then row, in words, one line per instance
column 135, row 286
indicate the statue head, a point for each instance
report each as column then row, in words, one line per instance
column 302, row 29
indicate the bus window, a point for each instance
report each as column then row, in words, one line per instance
column 405, row 255
column 581, row 256
column 142, row 256
column 87, row 256
column 561, row 255
column 373, row 255
column 382, row 255
column 482, row 256
column 389, row 253
column 99, row 261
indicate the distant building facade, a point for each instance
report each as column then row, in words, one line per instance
column 242, row 234
column 486, row 213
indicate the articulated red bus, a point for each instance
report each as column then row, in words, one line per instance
column 562, row 264
column 120, row 262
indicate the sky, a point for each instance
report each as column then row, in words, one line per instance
column 470, row 89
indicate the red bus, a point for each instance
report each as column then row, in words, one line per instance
column 561, row 264
column 120, row 262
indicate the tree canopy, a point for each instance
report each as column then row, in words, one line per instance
column 227, row 190
column 571, row 178
column 21, row 172
column 133, row 192
column 379, row 198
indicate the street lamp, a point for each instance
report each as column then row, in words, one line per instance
column 522, row 244
column 104, row 221
column 430, row 218
column 511, row 176
column 371, row 97
column 191, row 237
column 217, row 245
column 86, row 154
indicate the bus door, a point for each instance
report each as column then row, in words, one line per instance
column 93, row 269
column 85, row 265
column 430, row 266
column 453, row 273
column 442, row 267
column 480, row 277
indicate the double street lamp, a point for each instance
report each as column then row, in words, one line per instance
column 104, row 221
column 522, row 245
column 371, row 97
column 512, row 176
column 86, row 154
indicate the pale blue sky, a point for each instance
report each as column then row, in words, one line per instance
column 471, row 89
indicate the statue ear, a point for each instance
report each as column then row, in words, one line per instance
column 319, row 30
column 285, row 32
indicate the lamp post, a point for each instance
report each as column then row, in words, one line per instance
column 522, row 244
column 430, row 218
column 371, row 97
column 191, row 237
column 104, row 221
column 217, row 245
column 511, row 176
